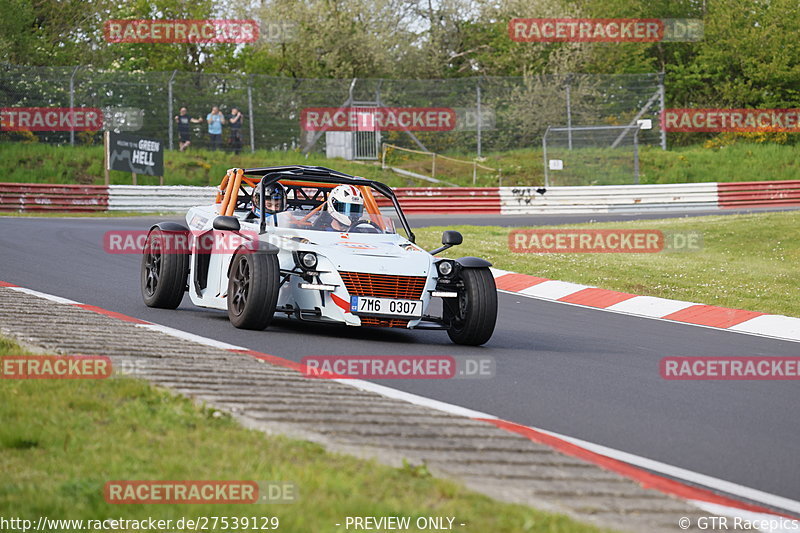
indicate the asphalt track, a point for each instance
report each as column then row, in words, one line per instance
column 586, row 373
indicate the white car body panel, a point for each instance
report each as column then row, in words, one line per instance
column 373, row 253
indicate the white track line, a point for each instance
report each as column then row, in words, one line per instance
column 52, row 298
column 395, row 394
column 185, row 335
column 728, row 487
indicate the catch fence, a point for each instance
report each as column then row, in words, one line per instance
column 471, row 116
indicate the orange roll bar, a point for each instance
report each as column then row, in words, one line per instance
column 221, row 187
column 369, row 200
column 233, row 191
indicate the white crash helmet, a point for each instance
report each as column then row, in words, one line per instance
column 346, row 204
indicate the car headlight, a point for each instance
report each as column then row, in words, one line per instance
column 308, row 260
column 445, row 268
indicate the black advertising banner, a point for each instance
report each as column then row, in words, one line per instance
column 132, row 153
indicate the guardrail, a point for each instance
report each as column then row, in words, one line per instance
column 430, row 200
column 608, row 198
column 759, row 193
column 158, row 198
column 26, row 197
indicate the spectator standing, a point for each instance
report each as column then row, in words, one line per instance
column 184, row 128
column 215, row 121
column 236, row 120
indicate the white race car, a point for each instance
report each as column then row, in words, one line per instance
column 316, row 245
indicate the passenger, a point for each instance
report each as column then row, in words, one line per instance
column 274, row 201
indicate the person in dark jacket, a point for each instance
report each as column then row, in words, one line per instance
column 184, row 122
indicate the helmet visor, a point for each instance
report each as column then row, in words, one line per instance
column 351, row 210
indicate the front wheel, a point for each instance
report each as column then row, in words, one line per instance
column 164, row 271
column 253, row 290
column 473, row 315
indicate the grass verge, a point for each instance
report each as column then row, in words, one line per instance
column 747, row 261
column 43, row 163
column 740, row 161
column 61, row 440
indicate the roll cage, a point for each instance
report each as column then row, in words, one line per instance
column 298, row 180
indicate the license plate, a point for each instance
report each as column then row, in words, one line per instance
column 366, row 305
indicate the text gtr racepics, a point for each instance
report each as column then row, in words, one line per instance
column 316, row 245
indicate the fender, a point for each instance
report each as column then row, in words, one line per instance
column 258, row 247
column 173, row 227
column 254, row 247
column 170, row 226
column 473, row 262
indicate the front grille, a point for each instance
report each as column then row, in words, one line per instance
column 384, row 285
column 378, row 322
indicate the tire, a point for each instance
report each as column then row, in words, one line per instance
column 253, row 290
column 473, row 317
column 164, row 272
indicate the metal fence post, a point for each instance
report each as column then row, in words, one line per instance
column 569, row 117
column 250, row 113
column 169, row 106
column 479, row 118
column 544, row 155
column 72, row 104
column 662, row 104
column 636, row 154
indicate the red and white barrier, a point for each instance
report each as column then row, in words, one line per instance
column 25, row 197
column 759, row 193
column 608, row 199
column 432, row 200
column 449, row 200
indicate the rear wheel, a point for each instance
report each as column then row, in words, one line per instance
column 473, row 315
column 164, row 271
column 253, row 290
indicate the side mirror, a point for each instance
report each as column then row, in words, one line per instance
column 450, row 238
column 224, row 223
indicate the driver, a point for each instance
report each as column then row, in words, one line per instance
column 274, row 200
column 344, row 208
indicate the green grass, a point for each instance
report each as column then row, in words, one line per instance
column 60, row 441
column 747, row 261
column 43, row 163
column 741, row 161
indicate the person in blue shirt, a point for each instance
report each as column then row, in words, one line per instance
column 215, row 121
